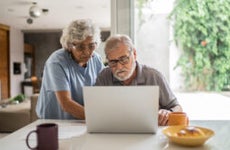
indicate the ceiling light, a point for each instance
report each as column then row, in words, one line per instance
column 35, row 11
column 45, row 11
column 29, row 20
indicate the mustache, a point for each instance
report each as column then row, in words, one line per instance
column 121, row 70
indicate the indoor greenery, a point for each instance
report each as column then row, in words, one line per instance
column 202, row 32
column 18, row 98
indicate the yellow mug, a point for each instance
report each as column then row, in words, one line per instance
column 178, row 118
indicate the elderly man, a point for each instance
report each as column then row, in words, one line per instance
column 125, row 70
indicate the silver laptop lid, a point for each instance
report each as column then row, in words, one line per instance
column 121, row 109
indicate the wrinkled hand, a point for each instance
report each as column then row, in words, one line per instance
column 163, row 116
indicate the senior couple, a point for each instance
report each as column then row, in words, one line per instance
column 77, row 64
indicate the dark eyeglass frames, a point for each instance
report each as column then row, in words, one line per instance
column 122, row 60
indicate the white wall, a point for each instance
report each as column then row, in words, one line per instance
column 16, row 55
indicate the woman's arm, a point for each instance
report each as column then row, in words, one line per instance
column 69, row 105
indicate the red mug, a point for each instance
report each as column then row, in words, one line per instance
column 47, row 137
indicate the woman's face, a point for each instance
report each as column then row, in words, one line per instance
column 82, row 51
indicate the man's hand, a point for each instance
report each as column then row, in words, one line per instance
column 163, row 116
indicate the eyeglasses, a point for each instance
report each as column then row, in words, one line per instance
column 82, row 47
column 122, row 60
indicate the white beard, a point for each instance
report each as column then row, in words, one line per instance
column 123, row 78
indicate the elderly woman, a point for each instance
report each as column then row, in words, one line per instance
column 67, row 70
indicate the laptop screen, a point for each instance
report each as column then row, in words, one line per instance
column 121, row 109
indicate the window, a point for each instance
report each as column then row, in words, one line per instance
column 152, row 33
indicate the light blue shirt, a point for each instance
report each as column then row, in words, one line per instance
column 62, row 73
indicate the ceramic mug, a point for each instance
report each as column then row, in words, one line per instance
column 47, row 137
column 178, row 118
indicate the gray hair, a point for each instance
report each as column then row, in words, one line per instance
column 79, row 30
column 115, row 41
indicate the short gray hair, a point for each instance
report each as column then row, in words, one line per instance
column 114, row 42
column 79, row 30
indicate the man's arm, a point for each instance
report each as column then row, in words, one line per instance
column 69, row 105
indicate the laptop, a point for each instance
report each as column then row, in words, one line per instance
column 121, row 109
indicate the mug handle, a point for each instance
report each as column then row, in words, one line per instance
column 187, row 121
column 27, row 140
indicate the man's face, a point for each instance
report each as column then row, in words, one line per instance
column 122, row 62
column 82, row 51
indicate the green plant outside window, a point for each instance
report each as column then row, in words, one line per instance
column 202, row 32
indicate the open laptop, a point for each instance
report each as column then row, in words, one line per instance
column 121, row 109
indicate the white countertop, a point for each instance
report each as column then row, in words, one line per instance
column 73, row 136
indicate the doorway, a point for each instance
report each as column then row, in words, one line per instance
column 4, row 65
